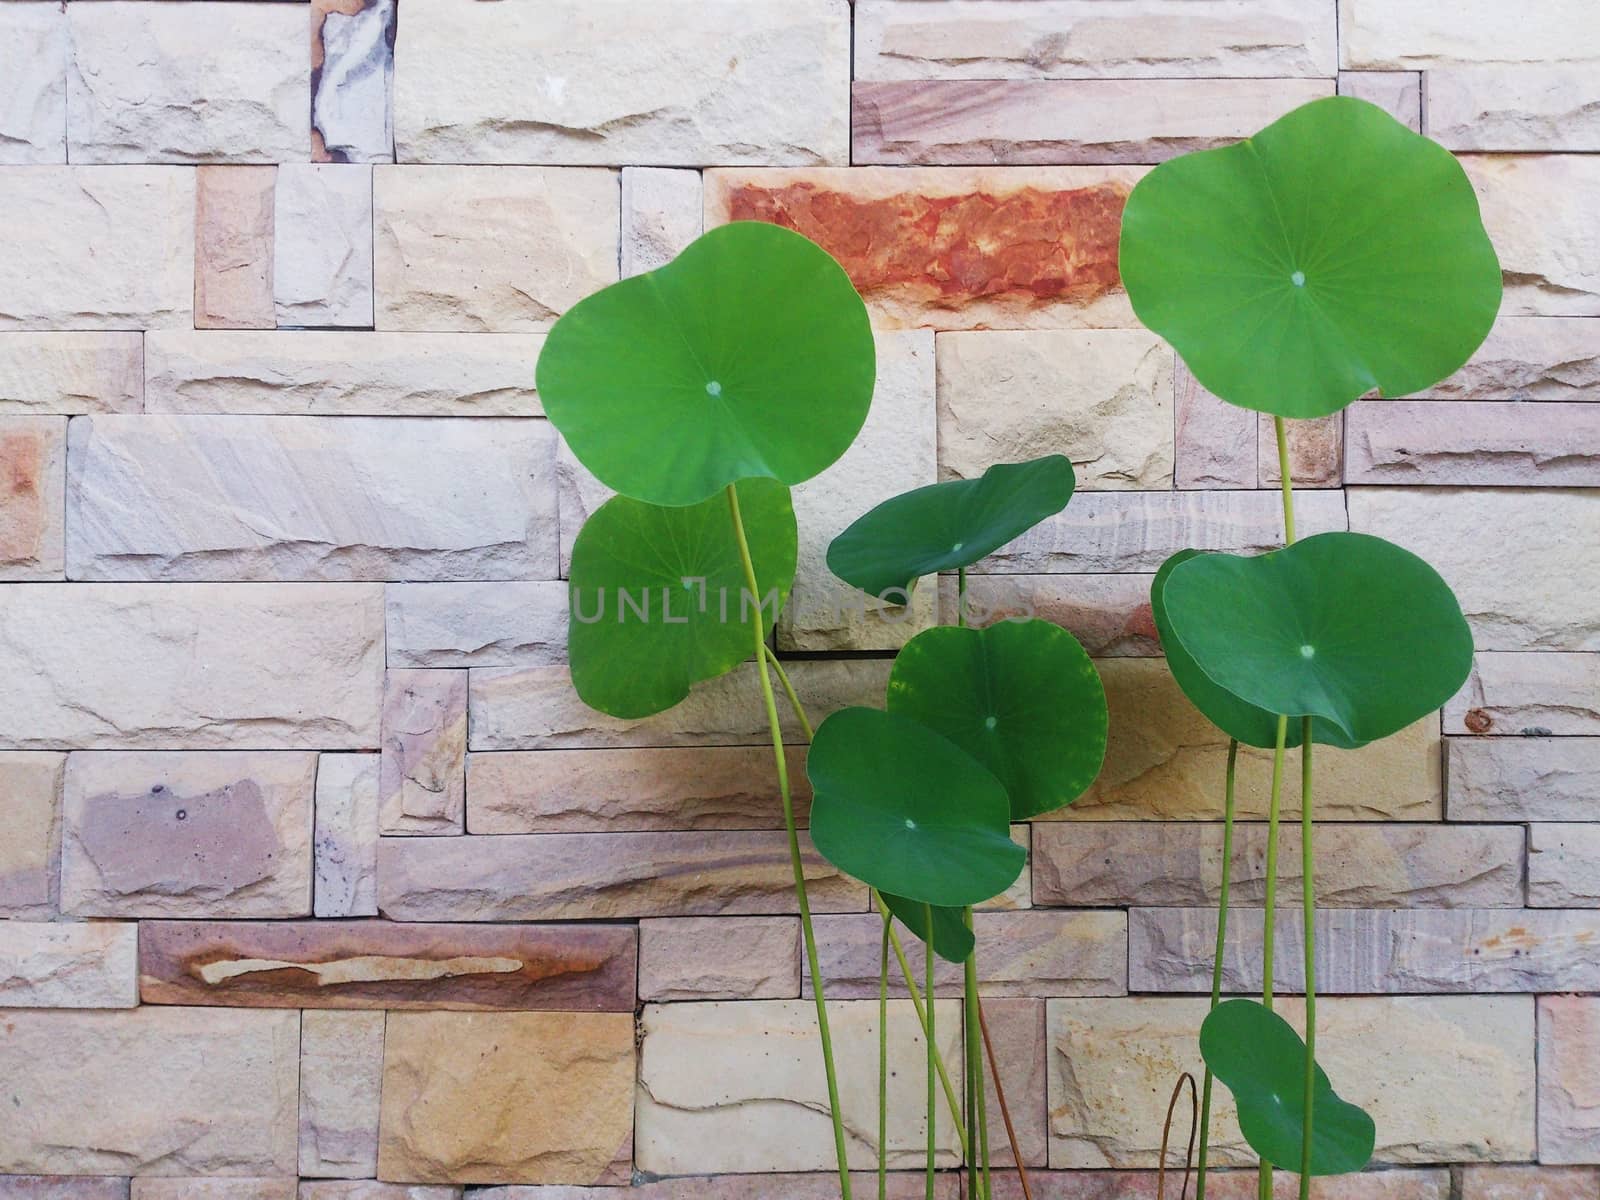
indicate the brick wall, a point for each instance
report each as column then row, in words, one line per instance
column 317, row 869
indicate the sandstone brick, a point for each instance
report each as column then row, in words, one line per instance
column 33, row 93
column 1523, row 779
column 352, row 80
column 63, row 1187
column 579, row 494
column 489, row 249
column 340, row 374
column 990, row 39
column 147, row 1188
column 1022, row 1058
column 1530, row 695
column 900, row 1185
column 183, row 1091
column 1531, row 358
column 1569, row 1096
column 499, row 624
column 727, row 1087
column 779, row 93
column 341, row 1074
column 188, row 834
column 1528, row 1183
column 1086, row 121
column 374, row 964
column 1109, row 614
column 1165, row 761
column 954, row 247
column 631, row 789
column 1217, row 442
column 496, row 1097
column 723, row 958
column 1378, row 1183
column 1398, row 93
column 1441, row 442
column 1103, row 397
column 322, row 256
column 1106, row 1108
column 1536, row 208
column 581, row 876
column 1540, row 590
column 1564, row 866
column 33, row 471
column 247, row 498
column 1358, row 866
column 233, row 250
column 70, row 373
column 30, row 853
column 422, row 784
column 1437, row 33
column 1020, row 894
column 662, row 212
column 88, row 249
column 1371, row 950
column 1541, row 107
column 345, row 841
column 1316, row 452
column 211, row 82
column 372, row 1189
column 61, row 965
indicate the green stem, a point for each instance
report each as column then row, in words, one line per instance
column 788, row 690
column 1285, row 482
column 1309, row 911
column 883, row 1064
column 961, row 597
column 933, row 1054
column 981, row 1119
column 1216, row 962
column 1270, row 914
column 974, row 1063
column 795, row 861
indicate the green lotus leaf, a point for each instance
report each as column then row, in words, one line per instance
column 1251, row 725
column 747, row 356
column 1262, row 1060
column 948, row 525
column 951, row 939
column 1333, row 253
column 1345, row 627
column 1021, row 697
column 658, row 595
column 909, row 812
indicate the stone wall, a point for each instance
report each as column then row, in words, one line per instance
column 316, row 868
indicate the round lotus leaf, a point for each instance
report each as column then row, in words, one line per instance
column 749, row 355
column 1262, row 1060
column 1344, row 627
column 1251, row 725
column 1333, row 253
column 951, row 939
column 948, row 525
column 909, row 812
column 659, row 599
column 1021, row 697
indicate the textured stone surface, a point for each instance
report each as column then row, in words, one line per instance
column 499, row 624
column 372, row 964
column 690, row 84
column 727, row 958
column 954, row 247
column 247, row 498
column 1106, row 1105
column 1524, row 108
column 322, row 253
column 1439, row 442
column 1540, row 590
column 1569, row 1093
column 352, row 80
column 422, row 781
column 1398, row 93
column 728, row 1087
column 341, row 1075
column 1022, row 1058
column 497, row 1097
column 631, row 789
column 207, row 82
column 71, row 373
column 1063, row 121
column 1217, row 442
column 1564, row 866
column 188, row 834
column 30, row 852
column 185, row 1091
column 1316, row 452
column 579, row 494
column 490, row 249
column 991, row 39
column 233, row 249
column 1103, row 397
column 1528, row 695
column 1379, row 1183
column 63, row 1187
column 88, row 249
column 662, row 212
column 340, row 374
column 1528, row 1183
column 1523, row 779
column 896, row 451
column 1036, row 953
column 1437, row 33
column 219, row 1188
column 534, row 877
column 1536, row 208
column 1358, row 866
column 59, row 965
column 372, row 1189
column 345, row 840
column 33, row 91
column 1165, row 761
column 1109, row 614
column 900, row 1185
column 33, row 464
column 1370, row 950
column 1531, row 358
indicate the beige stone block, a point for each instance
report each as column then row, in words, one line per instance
column 501, row 1097
column 1316, row 449
column 372, row 1189
column 1536, row 208
column 1398, row 93
column 233, row 250
column 147, row 1188
column 1530, row 107
column 1473, row 443
column 1017, row 1034
column 71, row 373
column 1564, row 866
column 63, row 1187
column 1423, row 34
column 1523, row 779
column 422, row 786
column 1569, row 1092
column 345, row 841
column 1528, row 695
column 322, row 252
column 33, row 464
column 33, row 92
column 477, row 624
column 490, row 249
column 719, row 958
column 1109, row 614
column 67, row 965
column 1217, row 442
column 341, row 1075
column 662, row 212
column 1375, row 1183
column 1531, row 358
column 1527, row 1182
column 818, row 1185
column 30, row 853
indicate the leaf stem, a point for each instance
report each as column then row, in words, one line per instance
column 795, row 861
column 1216, row 962
column 1286, row 483
column 883, row 1064
column 978, row 1162
column 933, row 1054
column 1271, row 904
column 1309, row 910
column 961, row 597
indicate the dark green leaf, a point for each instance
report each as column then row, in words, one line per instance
column 952, row 940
